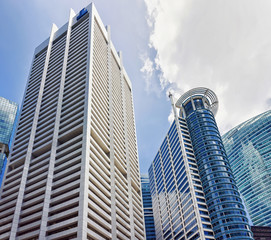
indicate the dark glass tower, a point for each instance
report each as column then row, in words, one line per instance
column 228, row 217
column 147, row 206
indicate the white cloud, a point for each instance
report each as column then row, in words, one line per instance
column 147, row 70
column 222, row 45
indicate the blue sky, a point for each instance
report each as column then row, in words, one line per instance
column 167, row 45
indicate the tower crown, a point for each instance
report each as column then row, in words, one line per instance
column 197, row 98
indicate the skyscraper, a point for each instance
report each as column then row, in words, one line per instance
column 193, row 190
column 147, row 205
column 8, row 112
column 248, row 147
column 73, row 172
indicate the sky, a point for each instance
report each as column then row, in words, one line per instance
column 167, row 45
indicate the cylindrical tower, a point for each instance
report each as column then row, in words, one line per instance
column 199, row 106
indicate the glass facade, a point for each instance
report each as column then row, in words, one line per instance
column 147, row 205
column 248, row 147
column 179, row 207
column 223, row 199
column 3, row 162
column 8, row 113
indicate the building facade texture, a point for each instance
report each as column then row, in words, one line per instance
column 248, row 147
column 193, row 189
column 147, row 205
column 8, row 113
column 73, row 171
column 261, row 233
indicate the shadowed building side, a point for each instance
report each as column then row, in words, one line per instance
column 261, row 232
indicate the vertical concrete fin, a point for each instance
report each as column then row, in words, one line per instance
column 49, row 184
column 84, row 179
column 17, row 212
column 111, row 126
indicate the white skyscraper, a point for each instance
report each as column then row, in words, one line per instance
column 73, row 171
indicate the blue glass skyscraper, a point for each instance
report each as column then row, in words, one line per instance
column 199, row 107
column 8, row 112
column 192, row 185
column 147, row 205
column 248, row 147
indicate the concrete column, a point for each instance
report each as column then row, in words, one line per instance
column 111, row 125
